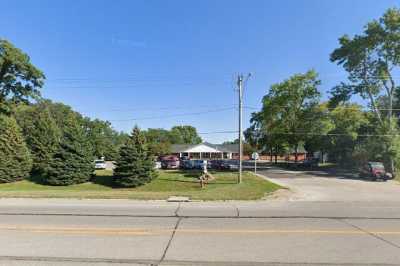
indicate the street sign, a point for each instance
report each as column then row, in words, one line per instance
column 255, row 156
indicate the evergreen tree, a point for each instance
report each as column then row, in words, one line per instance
column 72, row 163
column 135, row 165
column 41, row 133
column 15, row 160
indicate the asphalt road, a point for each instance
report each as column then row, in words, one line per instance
column 333, row 186
column 292, row 229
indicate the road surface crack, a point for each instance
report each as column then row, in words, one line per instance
column 371, row 234
column 170, row 240
column 177, row 210
column 237, row 211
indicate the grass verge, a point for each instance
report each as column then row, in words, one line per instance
column 168, row 183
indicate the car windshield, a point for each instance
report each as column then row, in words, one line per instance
column 99, row 161
column 377, row 165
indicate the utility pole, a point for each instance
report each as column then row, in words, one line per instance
column 240, row 87
column 240, row 82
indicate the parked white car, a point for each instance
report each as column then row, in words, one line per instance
column 157, row 165
column 99, row 164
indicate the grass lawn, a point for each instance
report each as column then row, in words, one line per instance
column 168, row 183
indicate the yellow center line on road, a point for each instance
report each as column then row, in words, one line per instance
column 286, row 231
column 160, row 231
column 79, row 230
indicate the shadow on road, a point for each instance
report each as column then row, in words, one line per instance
column 326, row 172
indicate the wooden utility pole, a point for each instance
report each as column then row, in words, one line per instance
column 240, row 82
column 240, row 87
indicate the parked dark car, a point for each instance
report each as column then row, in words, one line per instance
column 309, row 162
column 199, row 164
column 230, row 165
column 215, row 164
column 169, row 164
column 374, row 171
column 187, row 164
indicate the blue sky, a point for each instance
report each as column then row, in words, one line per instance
column 165, row 62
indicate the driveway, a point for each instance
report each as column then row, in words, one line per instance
column 332, row 186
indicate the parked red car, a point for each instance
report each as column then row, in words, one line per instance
column 374, row 171
column 168, row 158
column 169, row 162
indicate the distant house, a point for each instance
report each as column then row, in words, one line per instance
column 206, row 150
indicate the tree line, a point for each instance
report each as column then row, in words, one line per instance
column 59, row 145
column 293, row 115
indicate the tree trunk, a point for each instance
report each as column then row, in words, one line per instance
column 392, row 168
column 296, row 155
column 276, row 155
column 270, row 155
column 322, row 156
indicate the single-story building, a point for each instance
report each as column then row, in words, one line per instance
column 206, row 150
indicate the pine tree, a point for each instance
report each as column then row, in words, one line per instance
column 15, row 160
column 41, row 133
column 72, row 163
column 135, row 166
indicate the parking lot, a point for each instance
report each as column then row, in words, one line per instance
column 332, row 186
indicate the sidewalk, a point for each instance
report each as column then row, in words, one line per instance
column 234, row 209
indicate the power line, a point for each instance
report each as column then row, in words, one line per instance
column 300, row 133
column 342, row 107
column 174, row 115
column 141, row 77
column 129, row 86
column 333, row 134
column 158, row 108
column 191, row 76
column 219, row 132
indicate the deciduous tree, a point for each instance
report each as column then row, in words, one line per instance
column 184, row 135
column 348, row 120
column 20, row 80
column 372, row 59
column 286, row 110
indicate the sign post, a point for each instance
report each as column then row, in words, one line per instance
column 255, row 157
